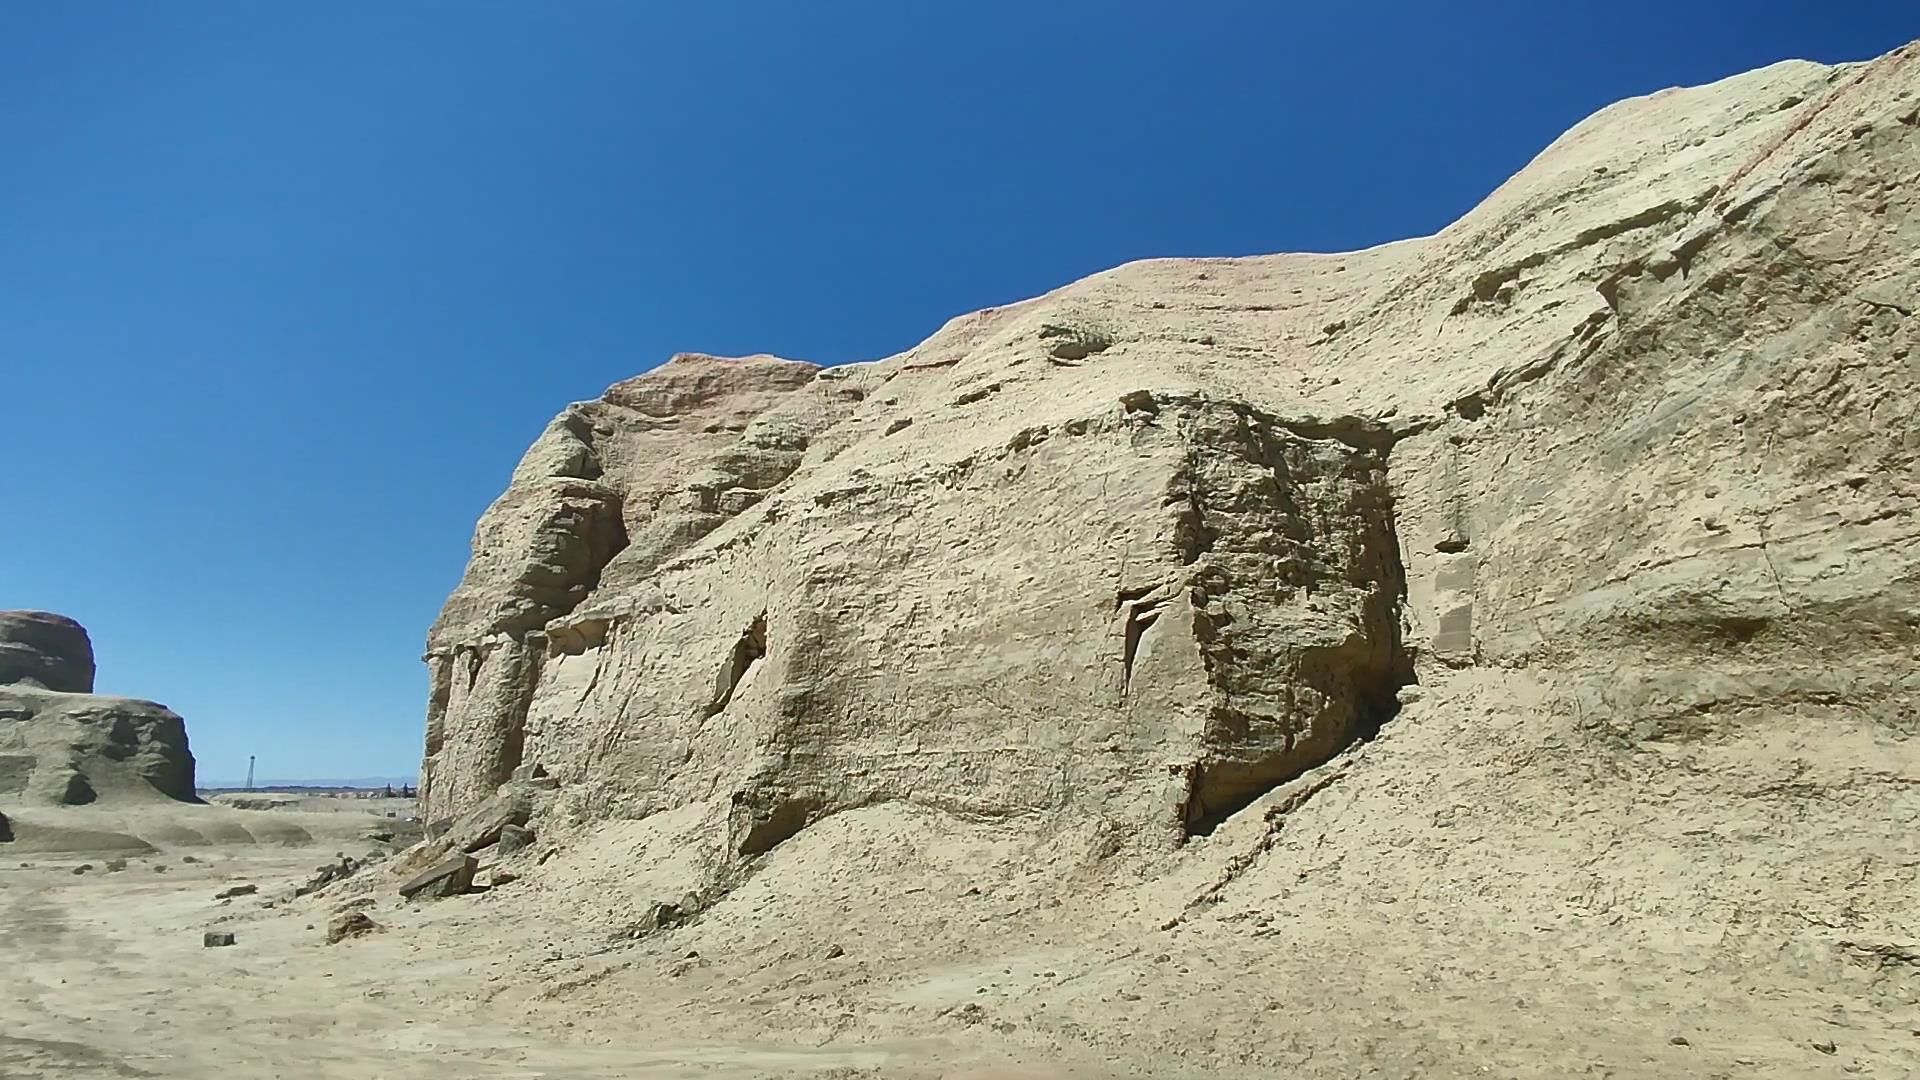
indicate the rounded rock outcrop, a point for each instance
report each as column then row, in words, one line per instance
column 52, row 652
column 62, row 744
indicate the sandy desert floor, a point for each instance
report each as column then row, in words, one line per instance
column 109, row 976
column 864, row 949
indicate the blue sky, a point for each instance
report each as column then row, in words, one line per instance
column 286, row 289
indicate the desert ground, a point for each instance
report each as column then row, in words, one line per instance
column 1275, row 947
column 113, row 980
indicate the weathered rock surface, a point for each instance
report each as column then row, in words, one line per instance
column 483, row 826
column 52, row 652
column 77, row 748
column 62, row 744
column 514, row 838
column 451, row 876
column 1620, row 469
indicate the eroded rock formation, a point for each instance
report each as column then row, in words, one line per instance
column 1133, row 553
column 61, row 743
column 44, row 650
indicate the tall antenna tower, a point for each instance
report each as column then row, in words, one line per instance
column 249, row 772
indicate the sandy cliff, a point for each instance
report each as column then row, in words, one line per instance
column 1550, row 586
column 1149, row 544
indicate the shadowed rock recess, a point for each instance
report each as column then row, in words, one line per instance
column 1636, row 434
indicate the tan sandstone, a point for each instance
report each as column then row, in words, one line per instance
column 1489, row 654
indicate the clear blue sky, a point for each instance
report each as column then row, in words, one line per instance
column 285, row 289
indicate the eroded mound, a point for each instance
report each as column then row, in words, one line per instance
column 1145, row 547
column 1594, row 512
column 62, row 744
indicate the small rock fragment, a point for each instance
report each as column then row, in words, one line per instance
column 328, row 873
column 215, row 939
column 834, row 952
column 1825, row 1046
column 347, row 924
column 237, row 890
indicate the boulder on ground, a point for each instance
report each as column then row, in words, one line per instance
column 6, row 830
column 479, row 827
column 483, row 824
column 346, row 924
column 514, row 838
column 237, row 890
column 216, row 939
column 664, row 915
column 451, row 876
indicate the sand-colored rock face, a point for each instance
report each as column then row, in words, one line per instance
column 62, row 744
column 1129, row 555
